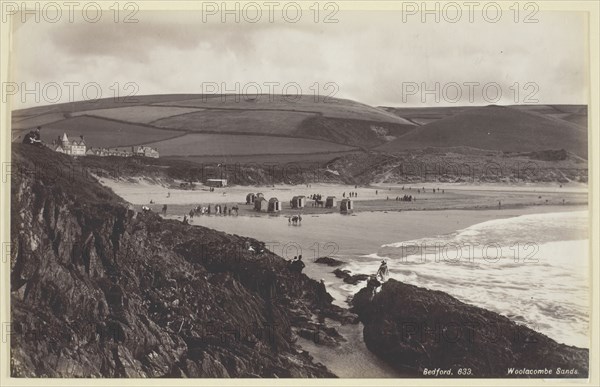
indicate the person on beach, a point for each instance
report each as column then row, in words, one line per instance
column 164, row 210
column 383, row 273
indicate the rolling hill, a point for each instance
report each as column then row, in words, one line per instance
column 223, row 128
column 219, row 126
column 496, row 128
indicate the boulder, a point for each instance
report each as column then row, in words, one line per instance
column 416, row 329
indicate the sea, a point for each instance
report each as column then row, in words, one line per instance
column 533, row 268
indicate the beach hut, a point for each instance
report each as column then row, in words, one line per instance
column 298, row 201
column 261, row 204
column 218, row 183
column 218, row 209
column 346, row 206
column 274, row 205
column 330, row 202
column 250, row 198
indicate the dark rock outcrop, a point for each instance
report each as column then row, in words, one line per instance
column 350, row 278
column 98, row 290
column 329, row 261
column 415, row 329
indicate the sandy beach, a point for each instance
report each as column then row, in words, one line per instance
column 374, row 198
column 354, row 239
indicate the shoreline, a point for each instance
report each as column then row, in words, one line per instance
column 428, row 221
column 457, row 196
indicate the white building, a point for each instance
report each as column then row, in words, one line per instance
column 73, row 148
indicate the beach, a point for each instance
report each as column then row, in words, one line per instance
column 140, row 191
column 407, row 237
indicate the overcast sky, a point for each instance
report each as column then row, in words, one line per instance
column 371, row 57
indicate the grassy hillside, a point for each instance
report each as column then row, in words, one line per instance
column 576, row 114
column 301, row 128
column 199, row 144
column 496, row 128
column 218, row 125
column 103, row 133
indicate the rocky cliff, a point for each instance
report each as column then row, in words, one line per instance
column 98, row 290
column 418, row 331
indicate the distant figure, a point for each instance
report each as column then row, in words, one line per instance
column 297, row 265
column 383, row 273
column 151, row 201
column 376, row 192
column 499, row 204
column 164, row 210
column 344, row 195
column 563, row 201
column 33, row 137
column 168, row 194
column 185, row 219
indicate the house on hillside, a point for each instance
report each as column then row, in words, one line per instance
column 261, row 204
column 145, row 151
column 274, row 205
column 70, row 147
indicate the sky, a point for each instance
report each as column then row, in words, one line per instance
column 372, row 57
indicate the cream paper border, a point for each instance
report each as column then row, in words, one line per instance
column 592, row 8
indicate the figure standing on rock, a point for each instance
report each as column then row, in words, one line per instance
column 383, row 273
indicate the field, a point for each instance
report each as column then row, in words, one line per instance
column 34, row 121
column 104, row 133
column 137, row 114
column 576, row 114
column 216, row 144
column 330, row 107
column 267, row 159
column 303, row 128
column 496, row 128
column 241, row 121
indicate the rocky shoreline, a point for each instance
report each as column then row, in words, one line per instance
column 98, row 290
column 430, row 333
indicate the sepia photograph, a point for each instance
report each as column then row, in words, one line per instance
column 233, row 190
